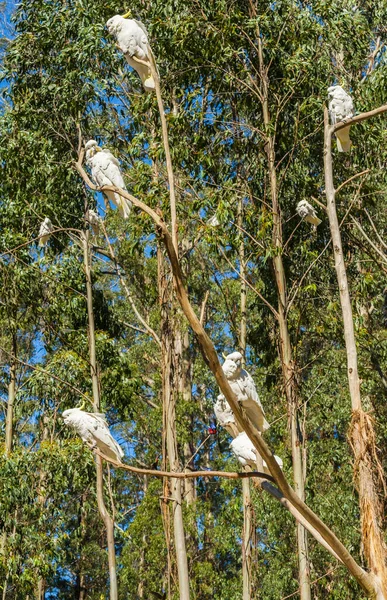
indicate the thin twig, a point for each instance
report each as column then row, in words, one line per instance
column 360, row 228
column 375, row 230
column 34, row 368
column 351, row 178
column 273, row 310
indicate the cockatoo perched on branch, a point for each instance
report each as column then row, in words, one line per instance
column 225, row 416
column 243, row 387
column 45, row 231
column 307, row 212
column 94, row 431
column 132, row 40
column 340, row 108
column 105, row 170
column 247, row 454
column 94, row 221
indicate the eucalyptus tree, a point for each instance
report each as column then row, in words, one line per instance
column 208, row 57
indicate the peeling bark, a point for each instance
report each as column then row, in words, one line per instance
column 367, row 469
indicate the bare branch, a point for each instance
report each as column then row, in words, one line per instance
column 359, row 118
column 360, row 228
column 375, row 230
column 351, row 178
column 185, row 474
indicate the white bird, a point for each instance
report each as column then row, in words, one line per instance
column 225, row 416
column 94, row 431
column 213, row 221
column 243, row 386
column 246, row 453
column 132, row 40
column 45, row 231
column 105, row 170
column 307, row 212
column 94, row 221
column 340, row 108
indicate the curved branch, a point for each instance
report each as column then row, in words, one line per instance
column 351, row 178
column 185, row 474
column 364, row 579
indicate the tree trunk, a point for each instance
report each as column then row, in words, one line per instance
column 362, row 434
column 287, row 363
column 169, row 367
column 11, row 399
column 247, row 533
column 107, row 519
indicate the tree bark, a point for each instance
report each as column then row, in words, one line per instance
column 247, row 532
column 107, row 519
column 169, row 403
column 362, row 434
column 11, row 398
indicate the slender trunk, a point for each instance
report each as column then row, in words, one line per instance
column 185, row 389
column 285, row 344
column 107, row 519
column 247, row 533
column 11, row 399
column 80, row 584
column 9, row 439
column 362, row 434
column 169, row 402
column 142, row 565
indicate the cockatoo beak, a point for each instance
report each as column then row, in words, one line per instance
column 127, row 15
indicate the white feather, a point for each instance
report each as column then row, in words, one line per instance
column 246, row 453
column 307, row 212
column 94, row 221
column 243, row 386
column 340, row 108
column 94, row 431
column 45, row 231
column 132, row 39
column 105, row 170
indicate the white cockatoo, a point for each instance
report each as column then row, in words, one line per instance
column 340, row 108
column 243, row 386
column 45, row 231
column 307, row 212
column 246, row 453
column 105, row 170
column 94, row 431
column 213, row 221
column 94, row 221
column 225, row 416
column 132, row 40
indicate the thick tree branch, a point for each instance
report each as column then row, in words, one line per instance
column 359, row 118
column 208, row 349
